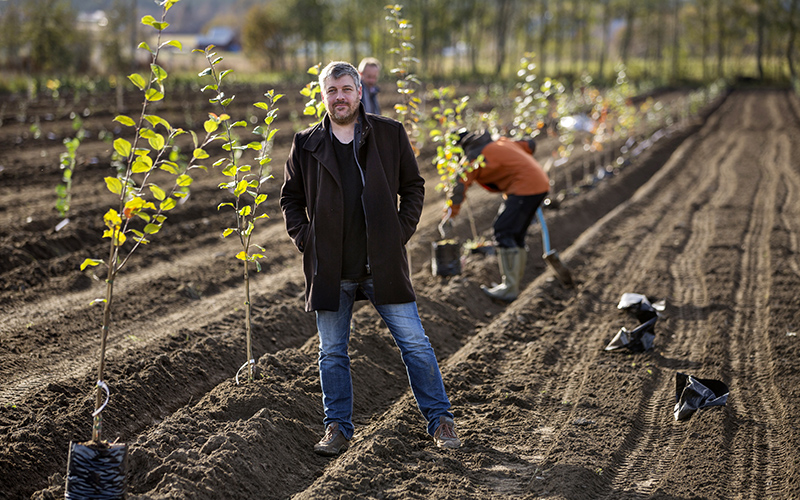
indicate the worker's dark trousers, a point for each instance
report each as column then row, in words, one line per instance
column 512, row 221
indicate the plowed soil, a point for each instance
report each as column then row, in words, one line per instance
column 707, row 218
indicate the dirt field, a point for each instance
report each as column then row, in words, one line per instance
column 707, row 219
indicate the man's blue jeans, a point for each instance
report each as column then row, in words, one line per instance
column 409, row 336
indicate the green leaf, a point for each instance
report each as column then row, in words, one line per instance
column 90, row 262
column 225, row 204
column 158, row 72
column 122, row 146
column 144, row 46
column 263, row 105
column 97, row 301
column 169, row 166
column 184, row 181
column 148, row 20
column 245, row 211
column 152, row 228
column 173, row 43
column 261, row 199
column 241, row 255
column 168, row 204
column 114, row 185
column 142, row 164
column 157, row 142
column 205, row 72
column 125, row 120
column 200, row 154
column 210, row 125
column 147, row 133
column 227, row 232
column 153, row 95
column 240, row 188
column 229, row 171
column 138, row 80
column 158, row 193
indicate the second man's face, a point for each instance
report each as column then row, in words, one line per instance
column 369, row 77
column 342, row 98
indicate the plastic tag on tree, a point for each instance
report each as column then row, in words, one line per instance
column 639, row 339
column 693, row 394
column 96, row 471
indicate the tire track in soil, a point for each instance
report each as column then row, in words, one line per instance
column 759, row 405
column 650, row 452
column 633, row 466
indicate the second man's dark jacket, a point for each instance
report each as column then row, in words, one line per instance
column 393, row 196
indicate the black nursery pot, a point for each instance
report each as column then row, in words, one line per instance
column 96, row 471
column 446, row 258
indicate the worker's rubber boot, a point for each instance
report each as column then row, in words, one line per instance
column 512, row 266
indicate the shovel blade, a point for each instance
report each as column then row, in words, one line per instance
column 558, row 267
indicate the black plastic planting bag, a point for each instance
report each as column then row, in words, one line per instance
column 96, row 471
column 446, row 258
column 639, row 339
column 639, row 306
column 693, row 394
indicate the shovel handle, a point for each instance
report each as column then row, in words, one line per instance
column 545, row 232
column 446, row 218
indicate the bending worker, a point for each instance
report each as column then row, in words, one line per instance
column 509, row 168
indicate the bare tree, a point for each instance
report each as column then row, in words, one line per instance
column 791, row 38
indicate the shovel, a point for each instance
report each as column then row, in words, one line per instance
column 551, row 255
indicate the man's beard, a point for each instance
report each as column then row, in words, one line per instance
column 344, row 119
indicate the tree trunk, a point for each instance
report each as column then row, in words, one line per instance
column 792, row 37
column 606, row 34
column 560, row 23
column 630, row 18
column 720, row 40
column 676, row 41
column 503, row 19
column 760, row 39
column 543, row 38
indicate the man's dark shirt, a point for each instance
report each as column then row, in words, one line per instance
column 354, row 243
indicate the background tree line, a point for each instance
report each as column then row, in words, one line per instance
column 668, row 41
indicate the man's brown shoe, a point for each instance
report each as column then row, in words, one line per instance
column 445, row 434
column 332, row 443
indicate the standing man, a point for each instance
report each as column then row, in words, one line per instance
column 370, row 70
column 340, row 194
column 509, row 168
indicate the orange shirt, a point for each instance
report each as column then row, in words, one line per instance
column 509, row 168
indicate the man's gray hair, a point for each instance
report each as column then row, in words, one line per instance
column 338, row 69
